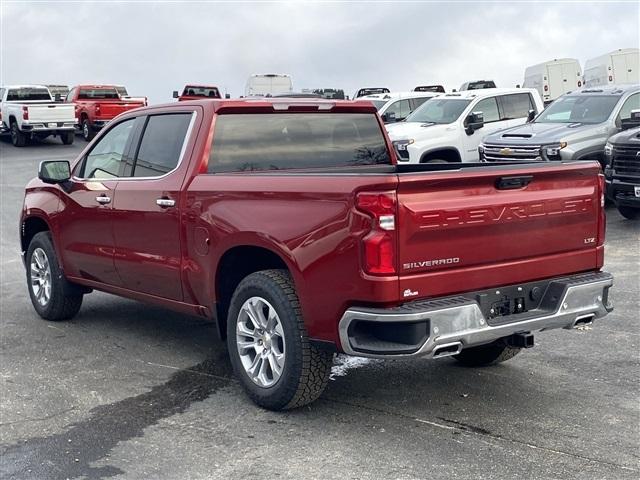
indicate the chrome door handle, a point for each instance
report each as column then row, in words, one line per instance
column 165, row 202
column 103, row 199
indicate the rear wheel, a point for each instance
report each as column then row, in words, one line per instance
column 629, row 212
column 485, row 355
column 87, row 131
column 268, row 343
column 18, row 138
column 67, row 137
column 52, row 296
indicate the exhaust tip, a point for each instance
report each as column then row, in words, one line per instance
column 583, row 320
column 447, row 350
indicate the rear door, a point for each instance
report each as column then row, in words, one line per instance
column 619, row 64
column 146, row 219
column 458, row 231
column 86, row 236
column 556, row 80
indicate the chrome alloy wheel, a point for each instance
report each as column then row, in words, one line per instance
column 40, row 276
column 260, row 341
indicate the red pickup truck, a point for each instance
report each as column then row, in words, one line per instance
column 97, row 105
column 290, row 224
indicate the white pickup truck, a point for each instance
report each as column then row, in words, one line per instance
column 29, row 111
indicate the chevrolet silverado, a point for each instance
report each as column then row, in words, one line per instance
column 289, row 223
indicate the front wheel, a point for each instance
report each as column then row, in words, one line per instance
column 629, row 213
column 51, row 295
column 485, row 355
column 268, row 343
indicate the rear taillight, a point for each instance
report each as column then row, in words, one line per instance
column 602, row 217
column 579, row 83
column 611, row 78
column 379, row 245
column 25, row 113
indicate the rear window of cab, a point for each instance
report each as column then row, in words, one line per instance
column 280, row 141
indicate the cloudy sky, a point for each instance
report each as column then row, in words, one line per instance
column 157, row 47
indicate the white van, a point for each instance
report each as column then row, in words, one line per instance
column 449, row 128
column 617, row 67
column 553, row 78
column 264, row 84
column 396, row 106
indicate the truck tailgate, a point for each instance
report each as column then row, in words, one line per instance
column 460, row 231
column 109, row 110
column 52, row 112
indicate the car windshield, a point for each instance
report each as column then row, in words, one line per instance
column 439, row 110
column 28, row 94
column 194, row 91
column 579, row 109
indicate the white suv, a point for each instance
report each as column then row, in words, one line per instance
column 450, row 127
column 396, row 106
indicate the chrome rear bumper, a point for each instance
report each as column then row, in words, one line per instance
column 450, row 324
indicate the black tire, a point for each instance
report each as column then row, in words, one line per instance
column 485, row 355
column 87, row 131
column 629, row 213
column 306, row 368
column 68, row 137
column 65, row 299
column 18, row 138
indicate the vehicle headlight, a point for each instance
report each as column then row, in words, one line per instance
column 608, row 149
column 554, row 150
column 402, row 145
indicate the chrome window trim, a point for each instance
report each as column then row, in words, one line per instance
column 194, row 115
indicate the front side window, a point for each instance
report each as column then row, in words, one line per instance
column 590, row 109
column 161, row 145
column 631, row 103
column 439, row 110
column 107, row 158
column 400, row 109
column 515, row 106
column 276, row 141
column 489, row 109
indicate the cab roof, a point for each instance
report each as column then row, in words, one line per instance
column 485, row 92
column 606, row 90
column 267, row 105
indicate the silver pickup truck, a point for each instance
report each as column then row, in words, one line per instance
column 574, row 127
column 29, row 112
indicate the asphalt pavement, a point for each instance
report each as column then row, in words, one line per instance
column 131, row 391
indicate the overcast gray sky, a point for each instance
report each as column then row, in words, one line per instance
column 154, row 48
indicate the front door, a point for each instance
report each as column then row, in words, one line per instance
column 85, row 224
column 147, row 208
column 492, row 123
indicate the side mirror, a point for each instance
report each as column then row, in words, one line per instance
column 227, row 95
column 54, row 171
column 389, row 117
column 531, row 114
column 475, row 121
column 57, row 97
column 175, row 94
column 454, row 90
column 631, row 122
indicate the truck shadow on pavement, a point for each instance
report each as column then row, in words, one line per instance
column 70, row 454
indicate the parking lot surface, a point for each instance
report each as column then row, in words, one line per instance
column 127, row 390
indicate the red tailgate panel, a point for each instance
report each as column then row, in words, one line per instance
column 459, row 232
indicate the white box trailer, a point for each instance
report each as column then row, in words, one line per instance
column 263, row 84
column 617, row 67
column 553, row 78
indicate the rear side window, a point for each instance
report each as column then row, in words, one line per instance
column 276, row 141
column 161, row 145
column 515, row 106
